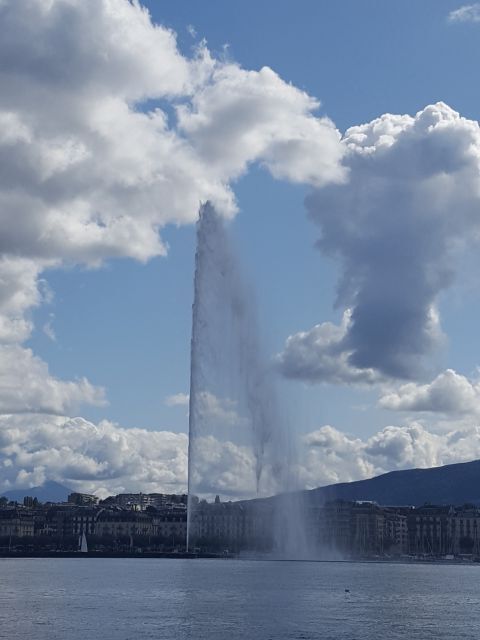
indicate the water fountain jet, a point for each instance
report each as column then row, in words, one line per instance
column 233, row 407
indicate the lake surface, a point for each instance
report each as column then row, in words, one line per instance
column 130, row 599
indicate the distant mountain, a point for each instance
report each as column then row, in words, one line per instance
column 451, row 484
column 49, row 492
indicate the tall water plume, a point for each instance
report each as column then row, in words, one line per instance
column 239, row 446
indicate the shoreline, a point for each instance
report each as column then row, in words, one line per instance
column 105, row 554
column 212, row 556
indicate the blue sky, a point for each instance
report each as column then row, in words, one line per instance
column 118, row 313
column 361, row 59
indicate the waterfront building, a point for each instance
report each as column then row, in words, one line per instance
column 232, row 525
column 16, row 522
column 118, row 523
column 396, row 531
column 430, row 530
column 170, row 525
column 353, row 529
column 82, row 499
column 84, row 520
column 335, row 526
column 368, row 528
column 465, row 531
column 359, row 528
column 58, row 521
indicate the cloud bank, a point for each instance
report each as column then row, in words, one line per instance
column 108, row 459
column 103, row 458
column 333, row 456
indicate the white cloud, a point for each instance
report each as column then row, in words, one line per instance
column 397, row 227
column 103, row 458
column 27, row 386
column 223, row 467
column 449, row 393
column 467, row 13
column 218, row 413
column 333, row 456
column 319, row 355
column 20, row 291
column 90, row 170
column 241, row 116
column 106, row 458
column 177, row 400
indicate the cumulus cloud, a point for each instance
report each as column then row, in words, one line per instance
column 93, row 162
column 449, row 393
column 177, row 400
column 85, row 174
column 106, row 459
column 241, row 116
column 103, row 458
column 467, row 13
column 396, row 227
column 20, row 291
column 219, row 413
column 318, row 355
column 26, row 385
column 332, row 456
column 223, row 467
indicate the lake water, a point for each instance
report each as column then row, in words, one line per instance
column 130, row 599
